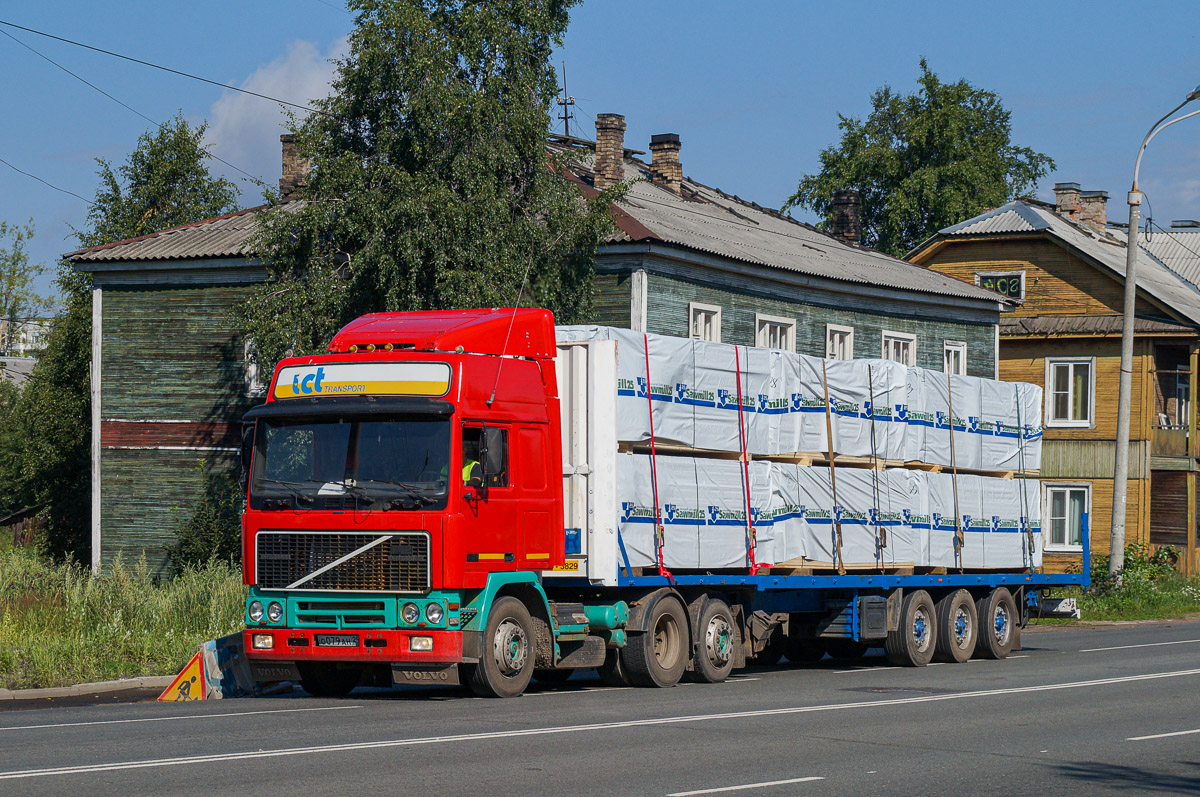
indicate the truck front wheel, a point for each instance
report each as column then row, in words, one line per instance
column 506, row 666
column 658, row 655
column 718, row 637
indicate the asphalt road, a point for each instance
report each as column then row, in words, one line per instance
column 1079, row 710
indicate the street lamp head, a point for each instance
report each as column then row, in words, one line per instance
column 1194, row 94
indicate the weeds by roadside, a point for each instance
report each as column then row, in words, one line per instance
column 61, row 625
column 1151, row 588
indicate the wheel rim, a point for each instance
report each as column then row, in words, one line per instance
column 920, row 629
column 718, row 641
column 962, row 627
column 1002, row 625
column 666, row 641
column 511, row 647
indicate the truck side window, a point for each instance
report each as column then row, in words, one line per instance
column 497, row 456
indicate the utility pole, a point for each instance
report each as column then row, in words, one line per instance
column 1116, row 561
column 566, row 103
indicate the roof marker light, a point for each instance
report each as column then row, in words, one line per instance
column 353, row 348
column 388, row 347
column 370, row 347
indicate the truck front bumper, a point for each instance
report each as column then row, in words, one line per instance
column 416, row 645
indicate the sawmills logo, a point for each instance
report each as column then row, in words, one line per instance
column 673, row 513
column 900, row 413
column 772, row 406
column 1008, row 525
column 724, row 517
column 887, row 518
column 728, row 400
column 686, row 394
column 632, row 513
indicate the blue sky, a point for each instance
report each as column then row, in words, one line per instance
column 753, row 89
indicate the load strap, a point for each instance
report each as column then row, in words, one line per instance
column 659, row 531
column 880, row 531
column 837, row 516
column 959, row 538
column 751, row 539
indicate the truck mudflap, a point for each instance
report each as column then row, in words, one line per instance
column 418, row 645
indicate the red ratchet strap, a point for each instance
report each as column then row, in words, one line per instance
column 659, row 533
column 751, row 540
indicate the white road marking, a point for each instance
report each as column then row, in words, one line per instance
column 762, row 785
column 864, row 669
column 179, row 717
column 1161, row 735
column 1022, row 656
column 1147, row 645
column 560, row 729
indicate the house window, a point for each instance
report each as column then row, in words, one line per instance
column 900, row 347
column 705, row 321
column 252, row 373
column 954, row 357
column 839, row 342
column 1008, row 283
column 1066, row 507
column 773, row 332
column 1070, row 389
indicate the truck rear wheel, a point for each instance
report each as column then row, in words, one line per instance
column 325, row 679
column 718, row 637
column 658, row 655
column 912, row 644
column 997, row 624
column 957, row 627
column 612, row 672
column 506, row 666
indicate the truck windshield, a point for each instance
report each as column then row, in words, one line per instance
column 378, row 463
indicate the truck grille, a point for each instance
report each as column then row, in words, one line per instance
column 398, row 564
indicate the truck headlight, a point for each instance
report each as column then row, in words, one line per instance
column 410, row 613
column 274, row 612
column 263, row 642
column 255, row 612
column 434, row 613
column 420, row 643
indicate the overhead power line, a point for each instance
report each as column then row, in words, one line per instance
column 43, row 182
column 157, row 66
column 88, row 83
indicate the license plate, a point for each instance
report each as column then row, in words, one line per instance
column 570, row 564
column 337, row 640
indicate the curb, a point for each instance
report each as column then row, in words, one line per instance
column 102, row 687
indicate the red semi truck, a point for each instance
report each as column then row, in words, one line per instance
column 414, row 516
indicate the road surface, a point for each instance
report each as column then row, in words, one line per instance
column 1079, row 710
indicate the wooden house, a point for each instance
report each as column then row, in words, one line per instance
column 1065, row 264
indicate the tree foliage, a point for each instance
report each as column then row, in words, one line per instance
column 19, row 299
column 431, row 185
column 45, row 455
column 923, row 161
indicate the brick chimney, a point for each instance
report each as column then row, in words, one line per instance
column 1066, row 200
column 665, row 169
column 295, row 168
column 1092, row 210
column 610, row 150
column 846, row 223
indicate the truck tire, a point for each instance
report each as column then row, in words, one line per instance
column 658, row 655
column 612, row 672
column 957, row 627
column 912, row 644
column 846, row 649
column 325, row 679
column 506, row 666
column 716, row 640
column 772, row 652
column 997, row 624
column 805, row 649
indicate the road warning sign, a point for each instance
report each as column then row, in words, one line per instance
column 189, row 684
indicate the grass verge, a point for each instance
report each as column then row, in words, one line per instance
column 61, row 625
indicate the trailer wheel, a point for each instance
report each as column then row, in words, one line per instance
column 658, row 656
column 997, row 624
column 805, row 649
column 913, row 643
column 717, row 639
column 324, row 679
column 846, row 649
column 506, row 666
column 957, row 627
column 612, row 672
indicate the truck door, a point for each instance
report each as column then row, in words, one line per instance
column 488, row 500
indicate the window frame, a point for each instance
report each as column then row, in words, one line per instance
column 980, row 275
column 909, row 337
column 762, row 319
column 841, row 328
column 959, row 346
column 715, row 309
column 1047, row 519
column 1050, row 422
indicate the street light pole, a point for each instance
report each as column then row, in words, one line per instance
column 1116, row 562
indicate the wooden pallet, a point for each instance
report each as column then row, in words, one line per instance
column 809, row 567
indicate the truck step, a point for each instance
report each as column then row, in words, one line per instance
column 589, row 652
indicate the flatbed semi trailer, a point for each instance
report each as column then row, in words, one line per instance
column 435, row 500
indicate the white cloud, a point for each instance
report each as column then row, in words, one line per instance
column 244, row 129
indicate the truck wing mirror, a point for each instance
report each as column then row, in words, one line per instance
column 247, row 448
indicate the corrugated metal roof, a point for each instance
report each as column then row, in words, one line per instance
column 708, row 220
column 1106, row 249
column 1179, row 250
column 1083, row 324
column 225, row 236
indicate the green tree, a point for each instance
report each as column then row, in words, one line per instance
column 923, row 161
column 19, row 299
column 431, row 185
column 45, row 460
